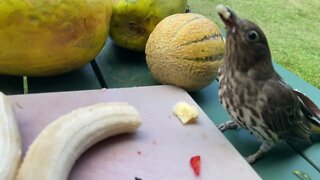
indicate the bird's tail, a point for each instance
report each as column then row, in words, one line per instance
column 310, row 110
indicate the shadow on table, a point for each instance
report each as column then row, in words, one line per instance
column 123, row 68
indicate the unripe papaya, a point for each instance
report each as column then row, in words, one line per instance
column 134, row 20
column 49, row 37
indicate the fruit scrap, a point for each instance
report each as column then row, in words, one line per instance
column 185, row 112
column 223, row 11
column 301, row 175
column 195, row 164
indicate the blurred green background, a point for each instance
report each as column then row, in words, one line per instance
column 291, row 26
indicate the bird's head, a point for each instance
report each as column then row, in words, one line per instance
column 246, row 44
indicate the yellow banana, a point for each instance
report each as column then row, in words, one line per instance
column 10, row 140
column 55, row 150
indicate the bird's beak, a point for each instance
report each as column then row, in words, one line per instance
column 228, row 17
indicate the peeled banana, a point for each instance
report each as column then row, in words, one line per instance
column 185, row 112
column 10, row 141
column 55, row 150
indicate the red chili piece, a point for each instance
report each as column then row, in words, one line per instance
column 195, row 164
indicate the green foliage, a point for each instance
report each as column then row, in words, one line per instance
column 292, row 28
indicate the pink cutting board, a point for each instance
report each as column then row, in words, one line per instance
column 159, row 150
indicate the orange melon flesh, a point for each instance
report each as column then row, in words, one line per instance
column 185, row 50
column 49, row 37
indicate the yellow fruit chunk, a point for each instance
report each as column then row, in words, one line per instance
column 185, row 112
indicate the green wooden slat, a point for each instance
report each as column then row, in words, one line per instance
column 312, row 153
column 11, row 84
column 82, row 79
column 276, row 164
column 123, row 68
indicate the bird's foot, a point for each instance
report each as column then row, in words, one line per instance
column 251, row 159
column 227, row 125
column 265, row 147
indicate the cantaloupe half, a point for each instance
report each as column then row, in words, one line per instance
column 185, row 50
column 48, row 37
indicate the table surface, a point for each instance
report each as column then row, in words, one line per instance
column 115, row 67
column 160, row 149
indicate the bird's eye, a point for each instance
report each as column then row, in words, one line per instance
column 252, row 35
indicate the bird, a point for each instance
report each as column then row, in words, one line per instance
column 255, row 96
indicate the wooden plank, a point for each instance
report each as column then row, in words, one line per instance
column 160, row 149
column 81, row 79
column 11, row 84
column 311, row 152
column 276, row 164
column 123, row 68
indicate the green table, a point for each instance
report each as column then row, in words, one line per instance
column 115, row 67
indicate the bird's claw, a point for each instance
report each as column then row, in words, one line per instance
column 251, row 159
column 265, row 147
column 222, row 127
column 227, row 125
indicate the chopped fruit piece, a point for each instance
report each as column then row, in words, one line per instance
column 301, row 175
column 195, row 164
column 185, row 112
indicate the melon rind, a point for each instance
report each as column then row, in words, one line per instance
column 185, row 50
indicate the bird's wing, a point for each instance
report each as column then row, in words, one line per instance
column 309, row 108
column 282, row 111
